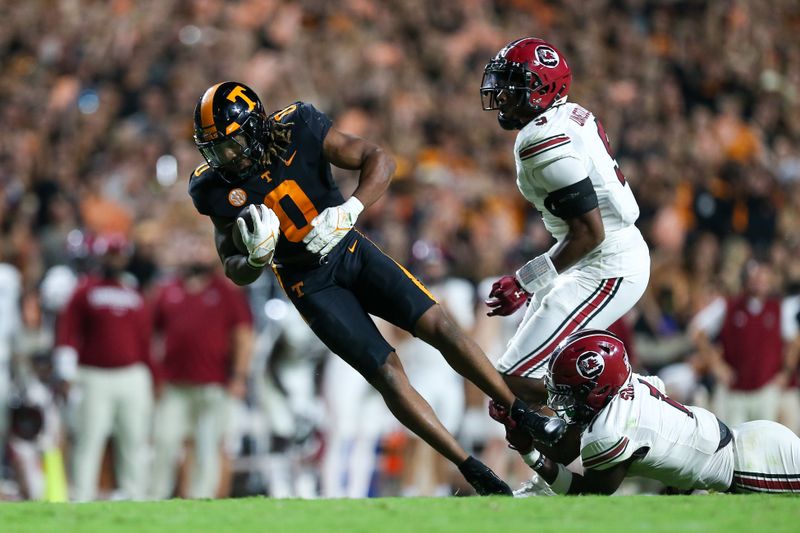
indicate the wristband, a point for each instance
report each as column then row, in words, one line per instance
column 253, row 264
column 353, row 207
column 537, row 274
column 534, row 459
column 563, row 480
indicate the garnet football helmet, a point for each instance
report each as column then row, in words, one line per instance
column 585, row 372
column 229, row 125
column 528, row 75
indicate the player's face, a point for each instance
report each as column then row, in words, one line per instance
column 560, row 401
column 228, row 154
column 504, row 89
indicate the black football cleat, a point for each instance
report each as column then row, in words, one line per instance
column 545, row 429
column 483, row 479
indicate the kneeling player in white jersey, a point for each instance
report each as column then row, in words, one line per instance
column 600, row 264
column 629, row 427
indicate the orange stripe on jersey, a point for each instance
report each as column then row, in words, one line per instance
column 207, row 109
column 278, row 277
column 417, row 282
column 202, row 168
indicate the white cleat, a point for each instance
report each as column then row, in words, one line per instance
column 535, row 486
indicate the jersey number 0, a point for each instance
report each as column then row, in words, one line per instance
column 287, row 194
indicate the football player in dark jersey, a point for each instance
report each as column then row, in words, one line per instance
column 278, row 168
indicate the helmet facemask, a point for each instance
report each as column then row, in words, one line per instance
column 236, row 156
column 569, row 405
column 561, row 400
column 508, row 85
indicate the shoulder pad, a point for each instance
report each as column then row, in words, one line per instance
column 201, row 180
column 546, row 137
column 200, row 170
column 307, row 119
column 536, row 148
column 287, row 113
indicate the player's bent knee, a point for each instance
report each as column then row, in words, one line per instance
column 390, row 376
column 435, row 325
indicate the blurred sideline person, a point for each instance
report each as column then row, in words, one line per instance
column 600, row 265
column 755, row 345
column 290, row 401
column 10, row 320
column 630, row 427
column 789, row 414
column 356, row 419
column 103, row 351
column 278, row 168
column 426, row 473
column 205, row 325
column 36, row 428
column 479, row 431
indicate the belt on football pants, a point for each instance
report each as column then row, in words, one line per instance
column 725, row 435
column 312, row 261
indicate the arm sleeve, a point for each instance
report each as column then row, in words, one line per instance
column 605, row 452
column 573, row 200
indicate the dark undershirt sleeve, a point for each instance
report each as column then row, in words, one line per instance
column 573, row 200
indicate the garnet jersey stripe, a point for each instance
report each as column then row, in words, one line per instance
column 558, row 330
column 761, row 482
column 608, row 455
column 544, row 145
column 576, row 320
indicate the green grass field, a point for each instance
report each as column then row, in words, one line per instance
column 752, row 513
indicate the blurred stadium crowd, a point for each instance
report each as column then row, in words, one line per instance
column 700, row 100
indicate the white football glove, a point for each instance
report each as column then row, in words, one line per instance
column 260, row 243
column 331, row 225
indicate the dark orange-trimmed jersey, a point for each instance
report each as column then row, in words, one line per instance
column 297, row 186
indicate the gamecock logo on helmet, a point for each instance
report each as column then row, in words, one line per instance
column 590, row 365
column 547, row 56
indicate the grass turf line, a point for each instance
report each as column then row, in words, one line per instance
column 750, row 513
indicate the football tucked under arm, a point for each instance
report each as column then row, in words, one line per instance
column 236, row 233
column 233, row 252
column 261, row 236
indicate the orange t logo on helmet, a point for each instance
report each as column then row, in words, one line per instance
column 238, row 91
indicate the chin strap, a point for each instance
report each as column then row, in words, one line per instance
column 509, row 124
column 515, row 124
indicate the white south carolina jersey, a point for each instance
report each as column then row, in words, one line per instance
column 678, row 444
column 572, row 137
